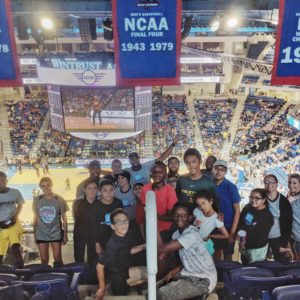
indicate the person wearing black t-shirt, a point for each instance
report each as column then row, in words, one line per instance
column 107, row 204
column 114, row 263
column 257, row 220
column 85, row 211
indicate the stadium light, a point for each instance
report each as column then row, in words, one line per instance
column 231, row 22
column 215, row 23
column 47, row 23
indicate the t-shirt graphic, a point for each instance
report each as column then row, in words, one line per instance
column 106, row 220
column 249, row 219
column 47, row 214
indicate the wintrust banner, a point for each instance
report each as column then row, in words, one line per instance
column 286, row 70
column 147, row 38
column 86, row 77
column 9, row 70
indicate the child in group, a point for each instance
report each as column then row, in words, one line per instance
column 108, row 203
column 206, row 218
column 256, row 220
column 50, row 222
column 113, row 265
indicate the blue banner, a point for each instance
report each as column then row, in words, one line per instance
column 286, row 70
column 147, row 38
column 9, row 70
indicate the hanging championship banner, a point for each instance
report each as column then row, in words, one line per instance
column 9, row 71
column 286, row 70
column 147, row 38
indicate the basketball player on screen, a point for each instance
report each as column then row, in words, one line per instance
column 96, row 106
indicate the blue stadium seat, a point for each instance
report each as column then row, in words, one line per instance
column 58, row 288
column 8, row 278
column 225, row 266
column 6, row 269
column 251, row 287
column 11, row 293
column 290, row 292
column 276, row 267
column 232, row 278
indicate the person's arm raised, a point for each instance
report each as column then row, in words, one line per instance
column 167, row 152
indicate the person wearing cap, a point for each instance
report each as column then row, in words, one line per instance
column 229, row 201
column 209, row 163
column 140, row 173
column 94, row 168
column 126, row 194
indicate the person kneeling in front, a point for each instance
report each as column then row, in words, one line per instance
column 113, row 264
column 196, row 275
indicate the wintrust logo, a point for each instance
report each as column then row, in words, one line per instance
column 89, row 77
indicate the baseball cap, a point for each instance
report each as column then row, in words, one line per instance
column 222, row 163
column 124, row 173
column 94, row 164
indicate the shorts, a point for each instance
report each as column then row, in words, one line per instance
column 10, row 236
column 252, row 255
column 42, row 242
column 223, row 244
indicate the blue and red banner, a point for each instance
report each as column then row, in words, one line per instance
column 286, row 69
column 9, row 62
column 147, row 40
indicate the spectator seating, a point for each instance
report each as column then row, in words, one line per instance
column 289, row 292
column 25, row 119
column 214, row 117
column 170, row 118
column 256, row 125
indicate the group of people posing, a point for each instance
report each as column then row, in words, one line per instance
column 198, row 216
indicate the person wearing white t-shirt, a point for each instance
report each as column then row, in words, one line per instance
column 196, row 275
column 206, row 216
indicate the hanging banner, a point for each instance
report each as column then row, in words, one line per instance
column 286, row 70
column 147, row 38
column 9, row 61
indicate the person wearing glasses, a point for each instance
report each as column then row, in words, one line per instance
column 257, row 221
column 114, row 263
column 281, row 210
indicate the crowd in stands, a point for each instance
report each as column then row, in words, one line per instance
column 256, row 131
column 60, row 144
column 214, row 117
column 171, row 117
column 25, row 118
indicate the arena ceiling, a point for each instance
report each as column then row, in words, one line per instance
column 104, row 6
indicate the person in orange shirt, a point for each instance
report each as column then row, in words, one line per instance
column 165, row 199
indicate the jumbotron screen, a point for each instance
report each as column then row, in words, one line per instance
column 98, row 109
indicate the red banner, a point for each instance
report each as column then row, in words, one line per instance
column 10, row 75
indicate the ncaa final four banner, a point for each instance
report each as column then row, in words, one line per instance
column 286, row 69
column 147, row 39
column 9, row 71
